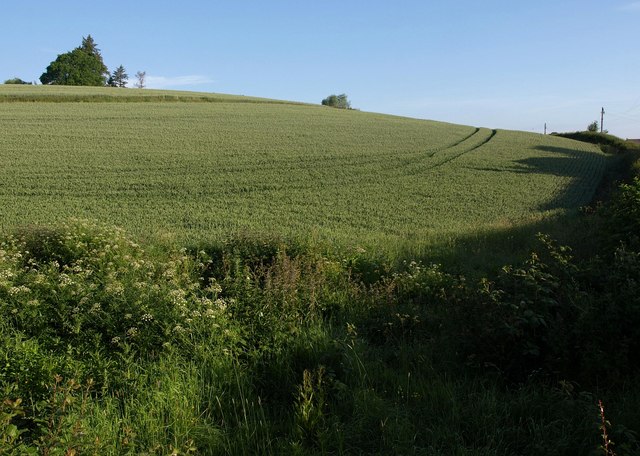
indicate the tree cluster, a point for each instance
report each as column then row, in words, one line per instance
column 84, row 66
column 337, row 101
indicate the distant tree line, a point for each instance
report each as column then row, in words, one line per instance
column 83, row 66
column 16, row 81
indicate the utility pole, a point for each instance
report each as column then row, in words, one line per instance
column 545, row 128
column 601, row 120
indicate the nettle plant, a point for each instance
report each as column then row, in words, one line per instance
column 86, row 286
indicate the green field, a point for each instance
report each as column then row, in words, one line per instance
column 204, row 166
column 236, row 314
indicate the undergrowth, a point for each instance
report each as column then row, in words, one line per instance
column 259, row 347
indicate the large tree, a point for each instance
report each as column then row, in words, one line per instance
column 83, row 66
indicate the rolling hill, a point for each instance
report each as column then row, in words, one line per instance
column 202, row 166
column 184, row 335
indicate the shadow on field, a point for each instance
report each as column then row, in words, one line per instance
column 584, row 170
column 512, row 242
column 487, row 251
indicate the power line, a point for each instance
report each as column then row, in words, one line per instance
column 634, row 105
column 623, row 116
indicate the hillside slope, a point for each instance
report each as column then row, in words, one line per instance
column 202, row 166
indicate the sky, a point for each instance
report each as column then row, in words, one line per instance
column 505, row 64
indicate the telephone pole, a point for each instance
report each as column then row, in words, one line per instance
column 545, row 128
column 601, row 120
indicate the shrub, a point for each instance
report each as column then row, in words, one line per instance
column 622, row 216
column 89, row 287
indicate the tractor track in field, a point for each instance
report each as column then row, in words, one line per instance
column 435, row 159
column 477, row 146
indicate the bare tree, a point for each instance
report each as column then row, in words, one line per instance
column 140, row 76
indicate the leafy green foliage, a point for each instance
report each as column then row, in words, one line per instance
column 88, row 287
column 82, row 66
column 337, row 101
column 622, row 215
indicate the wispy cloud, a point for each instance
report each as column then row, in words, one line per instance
column 166, row 82
column 632, row 6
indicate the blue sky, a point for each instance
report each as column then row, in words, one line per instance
column 492, row 63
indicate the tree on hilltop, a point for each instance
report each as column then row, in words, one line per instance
column 141, row 76
column 337, row 101
column 593, row 126
column 83, row 67
column 118, row 78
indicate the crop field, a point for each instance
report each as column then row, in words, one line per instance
column 204, row 166
column 283, row 284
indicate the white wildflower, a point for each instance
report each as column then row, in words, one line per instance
column 65, row 280
column 13, row 291
column 115, row 288
column 221, row 304
column 215, row 287
column 6, row 274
